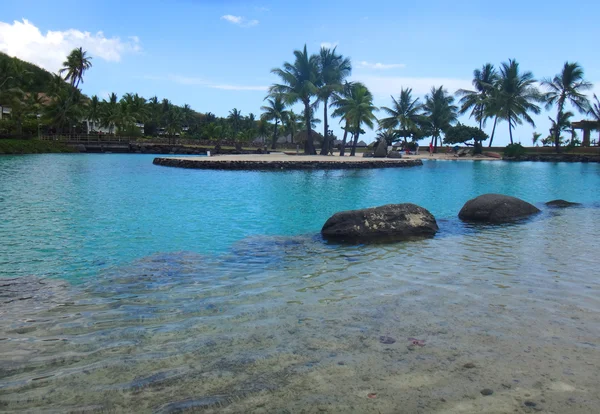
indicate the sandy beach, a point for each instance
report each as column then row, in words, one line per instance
column 284, row 157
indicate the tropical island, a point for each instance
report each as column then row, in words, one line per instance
column 36, row 103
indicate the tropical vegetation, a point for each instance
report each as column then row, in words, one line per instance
column 42, row 102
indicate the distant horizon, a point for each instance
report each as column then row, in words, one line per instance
column 216, row 57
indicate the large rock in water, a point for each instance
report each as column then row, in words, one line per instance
column 561, row 204
column 496, row 208
column 381, row 149
column 392, row 222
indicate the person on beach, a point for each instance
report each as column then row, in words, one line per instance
column 431, row 149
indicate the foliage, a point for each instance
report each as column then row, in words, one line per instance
column 460, row 134
column 389, row 135
column 333, row 69
column 516, row 97
column 568, row 86
column 595, row 110
column 31, row 146
column 404, row 116
column 77, row 63
column 439, row 113
column 357, row 107
column 560, row 125
column 477, row 101
column 274, row 111
column 16, row 73
column 514, row 150
column 300, row 82
column 535, row 138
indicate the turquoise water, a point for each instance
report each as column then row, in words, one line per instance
column 70, row 216
column 128, row 287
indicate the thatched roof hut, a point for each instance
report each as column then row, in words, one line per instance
column 301, row 136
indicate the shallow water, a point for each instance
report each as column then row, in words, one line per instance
column 234, row 315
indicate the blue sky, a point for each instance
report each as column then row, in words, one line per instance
column 217, row 55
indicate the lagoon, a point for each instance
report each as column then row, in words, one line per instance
column 167, row 289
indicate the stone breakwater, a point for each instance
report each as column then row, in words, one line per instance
column 221, row 164
column 556, row 158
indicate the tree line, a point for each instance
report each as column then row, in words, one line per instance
column 504, row 94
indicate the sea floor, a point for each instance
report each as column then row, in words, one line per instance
column 477, row 320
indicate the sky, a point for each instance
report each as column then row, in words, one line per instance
column 218, row 55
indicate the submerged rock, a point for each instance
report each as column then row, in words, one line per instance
column 561, row 204
column 496, row 208
column 391, row 222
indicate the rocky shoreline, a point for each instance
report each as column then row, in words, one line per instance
column 555, row 158
column 223, row 164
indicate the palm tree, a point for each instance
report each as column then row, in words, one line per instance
column 333, row 69
column 595, row 113
column 560, row 124
column 300, row 82
column 439, row 113
column 274, row 111
column 77, row 63
column 535, row 138
column 187, row 114
column 292, row 123
column 262, row 129
column 477, row 101
column 567, row 86
column 173, row 121
column 64, row 109
column 110, row 113
column 338, row 99
column 516, row 96
column 93, row 112
column 127, row 115
column 357, row 109
column 235, row 117
column 154, row 116
column 389, row 135
column 404, row 115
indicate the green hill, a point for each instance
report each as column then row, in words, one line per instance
column 16, row 73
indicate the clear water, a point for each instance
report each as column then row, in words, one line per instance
column 71, row 216
column 133, row 287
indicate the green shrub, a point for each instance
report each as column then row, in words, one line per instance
column 514, row 150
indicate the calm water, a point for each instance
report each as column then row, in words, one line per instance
column 133, row 287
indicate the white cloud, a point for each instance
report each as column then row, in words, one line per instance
column 239, row 20
column 329, row 45
column 380, row 66
column 25, row 41
column 185, row 80
column 391, row 85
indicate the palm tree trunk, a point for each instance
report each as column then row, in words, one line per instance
column 353, row 152
column 274, row 140
column 342, row 151
column 493, row 131
column 325, row 146
column 510, row 130
column 557, row 133
column 309, row 148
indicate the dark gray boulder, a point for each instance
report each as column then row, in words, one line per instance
column 392, row 222
column 381, row 149
column 496, row 208
column 561, row 204
column 367, row 155
column 394, row 154
column 80, row 148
